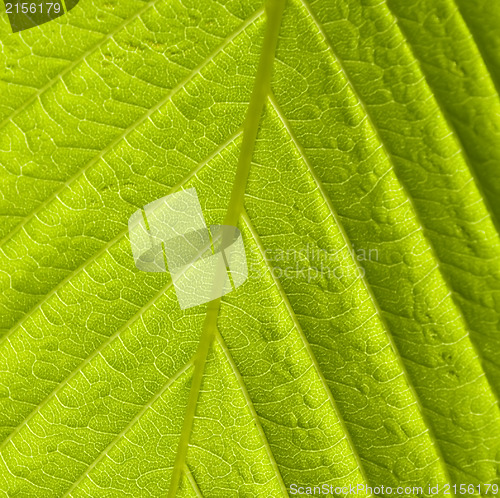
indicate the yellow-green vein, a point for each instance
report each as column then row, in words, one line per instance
column 274, row 11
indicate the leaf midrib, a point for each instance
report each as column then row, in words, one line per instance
column 339, row 225
column 261, row 87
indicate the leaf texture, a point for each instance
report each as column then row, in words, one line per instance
column 379, row 146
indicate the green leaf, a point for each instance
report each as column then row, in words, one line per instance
column 364, row 348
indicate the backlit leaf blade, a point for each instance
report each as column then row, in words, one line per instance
column 363, row 349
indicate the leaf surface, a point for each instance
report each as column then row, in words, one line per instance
column 364, row 349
